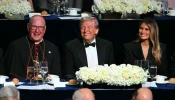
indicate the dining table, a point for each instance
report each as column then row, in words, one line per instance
column 164, row 91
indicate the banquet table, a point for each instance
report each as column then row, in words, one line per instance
column 55, row 17
column 161, row 92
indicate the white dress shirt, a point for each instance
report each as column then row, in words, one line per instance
column 91, row 53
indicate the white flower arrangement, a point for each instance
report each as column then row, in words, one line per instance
column 15, row 7
column 126, row 6
column 121, row 75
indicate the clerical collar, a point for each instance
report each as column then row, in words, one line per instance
column 39, row 41
column 29, row 39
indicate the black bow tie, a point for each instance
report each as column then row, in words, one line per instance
column 90, row 44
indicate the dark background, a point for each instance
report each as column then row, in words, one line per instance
column 61, row 31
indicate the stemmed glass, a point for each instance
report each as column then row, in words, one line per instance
column 144, row 64
column 152, row 71
column 37, row 71
column 30, row 73
column 44, row 70
column 164, row 6
column 57, row 6
column 138, row 63
column 65, row 6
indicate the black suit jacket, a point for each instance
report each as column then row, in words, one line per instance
column 133, row 51
column 172, row 65
column 2, row 70
column 75, row 55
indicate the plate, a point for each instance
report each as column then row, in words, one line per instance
column 161, row 76
column 46, row 15
column 165, row 82
column 77, row 9
column 50, row 83
column 71, row 84
column 61, row 82
column 73, row 15
column 20, row 83
column 171, row 14
column 2, row 76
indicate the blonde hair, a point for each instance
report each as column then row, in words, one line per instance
column 83, row 19
column 154, row 38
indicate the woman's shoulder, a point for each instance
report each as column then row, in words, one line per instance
column 131, row 44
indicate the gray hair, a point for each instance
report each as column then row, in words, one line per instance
column 83, row 94
column 9, row 92
column 83, row 19
column 35, row 16
column 77, row 96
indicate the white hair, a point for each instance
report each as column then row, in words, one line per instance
column 77, row 96
column 9, row 92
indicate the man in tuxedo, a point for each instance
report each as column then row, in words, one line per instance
column 88, row 50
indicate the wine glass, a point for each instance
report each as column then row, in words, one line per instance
column 30, row 73
column 138, row 63
column 164, row 7
column 44, row 70
column 65, row 6
column 145, row 65
column 57, row 5
column 37, row 71
column 152, row 71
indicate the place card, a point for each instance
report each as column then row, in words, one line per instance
column 9, row 83
column 32, row 14
column 149, row 84
column 59, row 84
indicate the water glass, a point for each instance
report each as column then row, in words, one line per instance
column 44, row 70
column 138, row 63
column 37, row 70
column 152, row 71
column 142, row 63
column 64, row 6
column 30, row 73
column 145, row 65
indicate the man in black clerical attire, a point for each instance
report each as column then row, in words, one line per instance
column 22, row 52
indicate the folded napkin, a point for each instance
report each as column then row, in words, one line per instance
column 149, row 84
column 37, row 87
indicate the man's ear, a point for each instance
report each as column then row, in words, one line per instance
column 133, row 98
column 96, row 31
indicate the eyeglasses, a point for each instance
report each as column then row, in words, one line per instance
column 33, row 27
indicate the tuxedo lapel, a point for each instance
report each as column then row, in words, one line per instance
column 82, row 53
column 100, row 51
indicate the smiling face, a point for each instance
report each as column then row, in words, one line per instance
column 36, row 28
column 144, row 32
column 88, row 30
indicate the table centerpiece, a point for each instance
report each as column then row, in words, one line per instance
column 113, row 75
column 123, row 7
column 15, row 9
